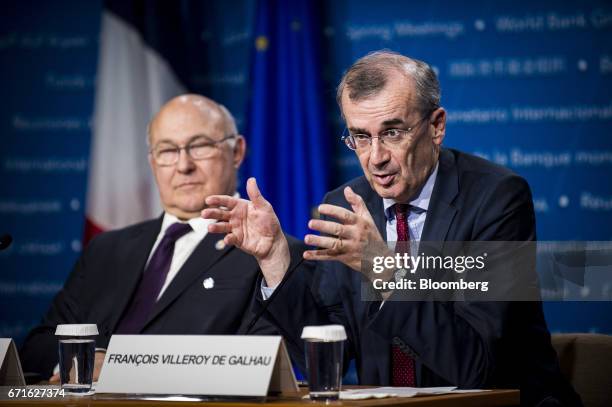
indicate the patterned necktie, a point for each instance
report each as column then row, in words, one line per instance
column 152, row 281
column 402, row 366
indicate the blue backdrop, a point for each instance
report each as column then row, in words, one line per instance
column 526, row 84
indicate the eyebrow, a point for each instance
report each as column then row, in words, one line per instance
column 358, row 130
column 393, row 122
column 189, row 140
column 386, row 123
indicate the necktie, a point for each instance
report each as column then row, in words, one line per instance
column 402, row 365
column 152, row 281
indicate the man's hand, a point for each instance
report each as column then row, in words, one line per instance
column 98, row 362
column 348, row 238
column 55, row 379
column 252, row 226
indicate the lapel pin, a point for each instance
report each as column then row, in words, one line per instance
column 208, row 283
column 220, row 245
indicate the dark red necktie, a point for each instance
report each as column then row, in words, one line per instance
column 152, row 281
column 402, row 365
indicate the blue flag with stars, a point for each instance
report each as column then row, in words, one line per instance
column 286, row 129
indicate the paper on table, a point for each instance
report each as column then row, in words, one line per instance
column 469, row 390
column 382, row 392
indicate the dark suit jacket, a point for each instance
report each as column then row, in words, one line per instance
column 104, row 278
column 470, row 345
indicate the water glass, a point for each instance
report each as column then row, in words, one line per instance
column 324, row 352
column 77, row 348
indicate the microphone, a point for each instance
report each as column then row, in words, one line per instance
column 274, row 295
column 5, row 241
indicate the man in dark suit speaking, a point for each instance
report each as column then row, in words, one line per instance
column 412, row 190
column 167, row 275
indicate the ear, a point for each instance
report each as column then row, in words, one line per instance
column 239, row 151
column 438, row 120
column 151, row 162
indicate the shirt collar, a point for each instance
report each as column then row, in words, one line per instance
column 422, row 199
column 198, row 224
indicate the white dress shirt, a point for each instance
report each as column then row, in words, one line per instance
column 183, row 247
column 417, row 213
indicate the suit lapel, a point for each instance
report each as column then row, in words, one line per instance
column 132, row 260
column 375, row 205
column 441, row 209
column 202, row 258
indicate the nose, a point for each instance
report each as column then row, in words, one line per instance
column 379, row 154
column 185, row 164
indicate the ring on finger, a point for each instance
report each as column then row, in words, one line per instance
column 339, row 231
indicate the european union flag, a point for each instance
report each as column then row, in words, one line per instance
column 286, row 127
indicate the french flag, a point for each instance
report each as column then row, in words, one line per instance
column 134, row 81
column 152, row 51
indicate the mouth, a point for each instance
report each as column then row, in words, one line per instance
column 188, row 185
column 384, row 180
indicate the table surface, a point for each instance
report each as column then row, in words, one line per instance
column 486, row 398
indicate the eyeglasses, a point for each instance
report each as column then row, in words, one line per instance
column 391, row 137
column 200, row 148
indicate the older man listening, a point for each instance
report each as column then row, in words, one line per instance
column 167, row 275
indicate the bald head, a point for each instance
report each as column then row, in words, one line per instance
column 199, row 135
column 195, row 106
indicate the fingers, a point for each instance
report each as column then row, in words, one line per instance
column 231, row 239
column 217, row 214
column 254, row 194
column 342, row 214
column 219, row 227
column 98, row 362
column 330, row 228
column 224, row 228
column 326, row 242
column 323, row 254
column 355, row 200
column 55, row 379
column 226, row 201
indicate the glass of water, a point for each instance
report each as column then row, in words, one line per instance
column 324, row 353
column 77, row 348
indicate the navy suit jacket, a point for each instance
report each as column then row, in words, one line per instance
column 465, row 344
column 106, row 275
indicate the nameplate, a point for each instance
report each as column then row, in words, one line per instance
column 211, row 365
column 11, row 373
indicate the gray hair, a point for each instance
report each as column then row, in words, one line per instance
column 369, row 74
